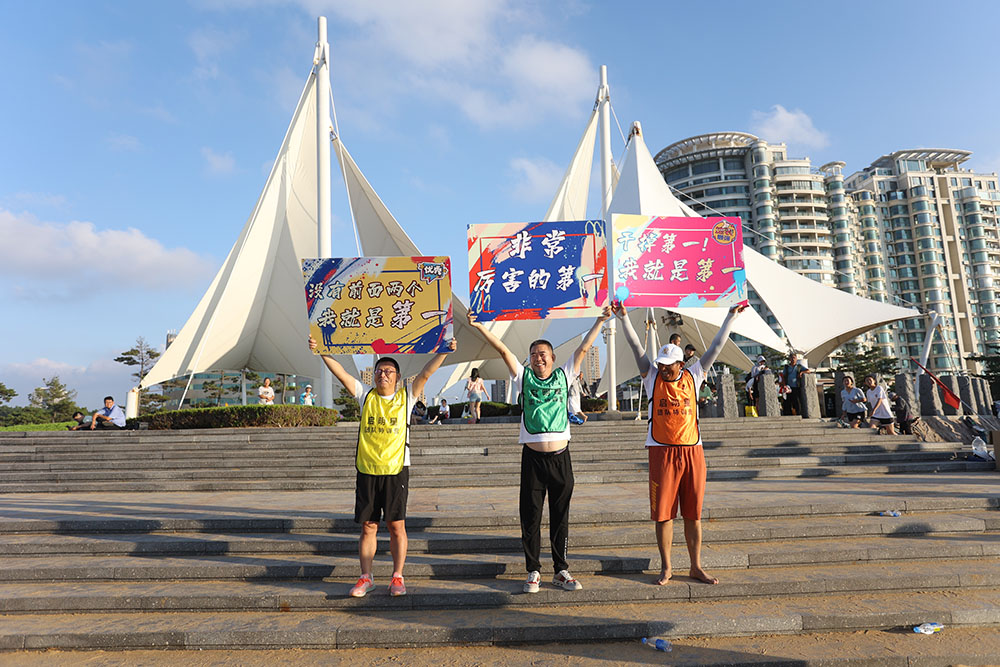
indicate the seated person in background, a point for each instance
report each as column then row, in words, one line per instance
column 904, row 415
column 111, row 416
column 81, row 422
column 419, row 415
column 444, row 412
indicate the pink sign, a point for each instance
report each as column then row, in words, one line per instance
column 678, row 262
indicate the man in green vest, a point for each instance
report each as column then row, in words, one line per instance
column 545, row 462
column 382, row 460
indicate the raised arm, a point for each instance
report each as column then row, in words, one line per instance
column 589, row 339
column 508, row 357
column 641, row 360
column 715, row 347
column 428, row 370
column 338, row 371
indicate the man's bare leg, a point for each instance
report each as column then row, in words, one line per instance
column 397, row 545
column 692, row 535
column 664, row 538
column 367, row 545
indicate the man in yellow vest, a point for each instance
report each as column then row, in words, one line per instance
column 545, row 462
column 382, row 460
column 677, row 471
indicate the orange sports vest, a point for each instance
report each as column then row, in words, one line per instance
column 673, row 410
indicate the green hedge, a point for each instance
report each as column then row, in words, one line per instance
column 273, row 416
column 487, row 409
column 57, row 426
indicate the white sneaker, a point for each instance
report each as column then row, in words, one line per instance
column 566, row 581
column 533, row 582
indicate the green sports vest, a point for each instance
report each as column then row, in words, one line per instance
column 544, row 403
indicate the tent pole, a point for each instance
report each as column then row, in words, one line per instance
column 323, row 128
column 927, row 341
column 605, row 205
column 243, row 387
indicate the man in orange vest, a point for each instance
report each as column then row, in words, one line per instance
column 382, row 460
column 676, row 458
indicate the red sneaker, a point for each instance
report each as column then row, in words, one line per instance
column 396, row 586
column 364, row 585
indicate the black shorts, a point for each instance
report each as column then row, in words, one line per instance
column 851, row 416
column 882, row 422
column 378, row 496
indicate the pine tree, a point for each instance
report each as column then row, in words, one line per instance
column 55, row 398
column 143, row 357
column 6, row 393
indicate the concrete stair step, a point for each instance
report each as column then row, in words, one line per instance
column 505, row 591
column 400, row 625
column 491, row 540
column 239, row 469
column 431, row 478
column 585, row 561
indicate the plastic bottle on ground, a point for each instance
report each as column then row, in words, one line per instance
column 658, row 644
column 890, row 513
column 928, row 628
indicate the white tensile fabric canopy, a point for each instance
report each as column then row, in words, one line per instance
column 815, row 318
column 253, row 314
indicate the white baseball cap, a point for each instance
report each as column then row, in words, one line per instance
column 761, row 358
column 669, row 354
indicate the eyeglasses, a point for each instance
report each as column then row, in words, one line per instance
column 385, row 371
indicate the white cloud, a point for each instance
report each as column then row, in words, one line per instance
column 793, row 127
column 92, row 382
column 208, row 45
column 159, row 112
column 75, row 259
column 535, row 179
column 218, row 163
column 472, row 55
column 123, row 142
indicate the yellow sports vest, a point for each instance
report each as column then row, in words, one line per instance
column 673, row 412
column 382, row 435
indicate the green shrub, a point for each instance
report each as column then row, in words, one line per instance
column 17, row 416
column 273, row 416
column 57, row 426
column 593, row 404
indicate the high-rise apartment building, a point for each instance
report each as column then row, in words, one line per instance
column 939, row 244
column 913, row 228
column 368, row 376
column 590, row 371
column 498, row 392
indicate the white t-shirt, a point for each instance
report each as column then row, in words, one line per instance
column 361, row 390
column 882, row 411
column 574, row 397
column 517, row 382
column 266, row 395
column 649, row 383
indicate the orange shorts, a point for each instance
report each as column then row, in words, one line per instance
column 676, row 473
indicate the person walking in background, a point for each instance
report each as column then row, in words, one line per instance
column 878, row 398
column 308, row 396
column 677, row 471
column 757, row 377
column 904, row 415
column 793, row 373
column 475, row 392
column 546, row 468
column 852, row 401
column 266, row 393
column 382, row 460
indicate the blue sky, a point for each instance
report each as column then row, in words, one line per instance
column 135, row 137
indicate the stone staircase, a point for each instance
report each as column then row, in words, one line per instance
column 442, row 456
column 243, row 539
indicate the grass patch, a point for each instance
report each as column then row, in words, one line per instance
column 59, row 426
